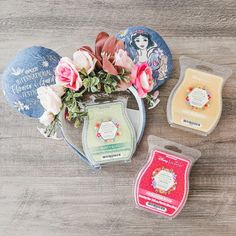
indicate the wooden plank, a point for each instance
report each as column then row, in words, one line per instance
column 175, row 18
column 89, row 206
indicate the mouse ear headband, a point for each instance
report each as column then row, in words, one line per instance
column 41, row 84
column 145, row 45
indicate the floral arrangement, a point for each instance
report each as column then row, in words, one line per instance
column 107, row 69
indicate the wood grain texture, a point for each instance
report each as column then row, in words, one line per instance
column 46, row 190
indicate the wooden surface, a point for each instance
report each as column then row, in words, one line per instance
column 46, row 190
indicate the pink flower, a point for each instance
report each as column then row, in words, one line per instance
column 141, row 78
column 67, row 75
column 105, row 48
column 123, row 60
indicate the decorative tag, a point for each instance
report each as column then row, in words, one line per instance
column 162, row 185
column 107, row 130
column 108, row 134
column 30, row 69
column 198, row 97
column 146, row 45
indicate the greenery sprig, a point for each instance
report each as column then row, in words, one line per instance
column 92, row 83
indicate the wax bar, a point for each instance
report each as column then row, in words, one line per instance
column 108, row 134
column 195, row 104
column 162, row 185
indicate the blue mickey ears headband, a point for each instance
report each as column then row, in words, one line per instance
column 35, row 67
column 31, row 68
column 158, row 55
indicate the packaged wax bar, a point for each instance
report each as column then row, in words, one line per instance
column 108, row 134
column 134, row 108
column 162, row 185
column 195, row 104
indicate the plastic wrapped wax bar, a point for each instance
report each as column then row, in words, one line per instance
column 195, row 104
column 162, row 185
column 132, row 114
column 108, row 134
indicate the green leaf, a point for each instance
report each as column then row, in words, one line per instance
column 69, row 116
column 99, row 87
column 92, row 73
column 77, row 123
column 83, row 72
column 77, row 95
column 118, row 77
column 86, row 82
column 107, row 89
column 74, row 107
column 96, row 80
column 94, row 89
column 114, row 83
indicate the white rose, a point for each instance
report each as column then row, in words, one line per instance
column 47, row 118
column 58, row 89
column 82, row 60
column 122, row 59
column 49, row 99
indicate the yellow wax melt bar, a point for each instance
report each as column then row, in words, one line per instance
column 195, row 104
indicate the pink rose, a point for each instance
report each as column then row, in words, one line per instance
column 67, row 75
column 123, row 60
column 141, row 78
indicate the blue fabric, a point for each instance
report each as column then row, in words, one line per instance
column 31, row 68
column 145, row 45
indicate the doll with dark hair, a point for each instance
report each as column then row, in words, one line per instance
column 147, row 51
column 143, row 44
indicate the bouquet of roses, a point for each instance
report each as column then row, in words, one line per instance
column 106, row 69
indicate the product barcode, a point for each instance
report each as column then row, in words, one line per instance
column 191, row 123
column 111, row 156
column 152, row 205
